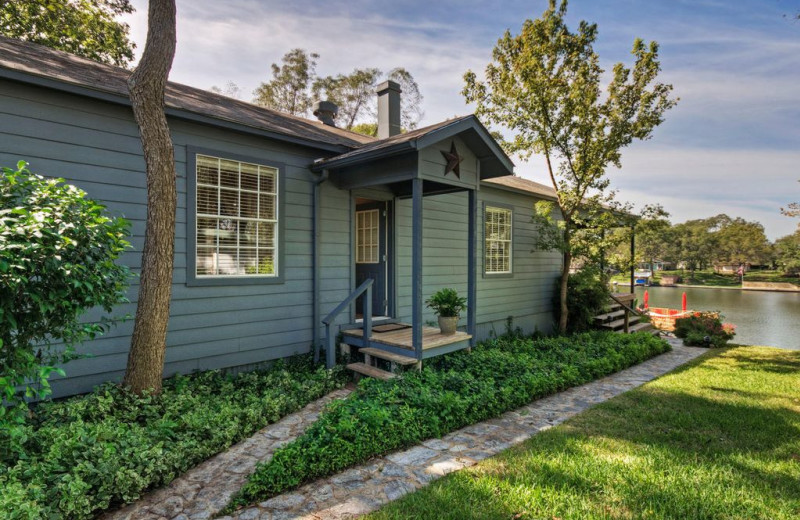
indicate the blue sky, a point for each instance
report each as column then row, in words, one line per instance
column 732, row 145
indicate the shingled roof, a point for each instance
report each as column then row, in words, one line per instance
column 26, row 61
column 521, row 184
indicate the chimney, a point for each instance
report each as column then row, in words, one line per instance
column 326, row 112
column 388, row 109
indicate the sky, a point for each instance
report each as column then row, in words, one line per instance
column 731, row 145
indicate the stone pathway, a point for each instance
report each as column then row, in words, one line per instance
column 365, row 488
column 207, row 488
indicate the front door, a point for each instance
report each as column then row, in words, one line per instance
column 372, row 253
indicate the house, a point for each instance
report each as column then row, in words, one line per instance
column 280, row 219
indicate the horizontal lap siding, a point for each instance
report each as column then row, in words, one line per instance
column 95, row 145
column 526, row 295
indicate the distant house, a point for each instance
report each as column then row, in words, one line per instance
column 281, row 218
column 731, row 268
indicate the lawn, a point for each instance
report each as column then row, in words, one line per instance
column 717, row 439
column 709, row 278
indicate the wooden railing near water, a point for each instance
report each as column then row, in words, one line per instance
column 625, row 300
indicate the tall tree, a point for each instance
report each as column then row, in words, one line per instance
column 288, row 91
column 147, row 85
column 88, row 28
column 544, row 86
column 741, row 242
column 354, row 94
column 787, row 252
column 695, row 243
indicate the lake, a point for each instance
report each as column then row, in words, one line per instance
column 761, row 318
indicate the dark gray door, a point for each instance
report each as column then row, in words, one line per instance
column 371, row 254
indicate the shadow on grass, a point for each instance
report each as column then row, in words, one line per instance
column 787, row 362
column 719, row 449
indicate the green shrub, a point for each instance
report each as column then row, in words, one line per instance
column 587, row 296
column 452, row 391
column 57, row 252
column 86, row 454
column 704, row 330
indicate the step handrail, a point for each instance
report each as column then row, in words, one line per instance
column 625, row 326
column 330, row 352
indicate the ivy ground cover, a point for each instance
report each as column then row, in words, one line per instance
column 717, row 439
column 83, row 455
column 452, row 391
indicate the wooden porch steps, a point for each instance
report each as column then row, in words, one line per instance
column 614, row 318
column 370, row 371
column 391, row 357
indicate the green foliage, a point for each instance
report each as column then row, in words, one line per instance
column 89, row 453
column 88, row 28
column 446, row 303
column 787, row 251
column 587, row 296
column 57, row 253
column 704, row 330
column 288, row 90
column 450, row 392
column 544, row 86
column 715, row 439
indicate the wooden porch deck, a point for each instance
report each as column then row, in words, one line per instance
column 432, row 338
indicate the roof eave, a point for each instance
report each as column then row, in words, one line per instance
column 333, row 163
column 178, row 113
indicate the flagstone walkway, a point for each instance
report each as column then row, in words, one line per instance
column 206, row 489
column 367, row 487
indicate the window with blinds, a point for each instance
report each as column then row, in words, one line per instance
column 497, row 240
column 237, row 218
column 367, row 237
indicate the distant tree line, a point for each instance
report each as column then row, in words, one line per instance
column 718, row 240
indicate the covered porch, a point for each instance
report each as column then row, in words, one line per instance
column 451, row 157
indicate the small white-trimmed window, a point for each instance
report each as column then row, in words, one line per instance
column 237, row 218
column 497, row 240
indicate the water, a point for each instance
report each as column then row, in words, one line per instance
column 761, row 318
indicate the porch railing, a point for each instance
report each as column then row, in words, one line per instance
column 330, row 339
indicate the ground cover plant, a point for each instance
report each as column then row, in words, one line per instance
column 718, row 439
column 83, row 455
column 450, row 392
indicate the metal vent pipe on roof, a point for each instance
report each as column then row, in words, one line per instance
column 326, row 112
column 388, row 109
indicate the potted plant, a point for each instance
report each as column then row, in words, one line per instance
column 447, row 305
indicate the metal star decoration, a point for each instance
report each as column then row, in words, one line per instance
column 453, row 161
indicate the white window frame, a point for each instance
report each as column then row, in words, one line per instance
column 492, row 209
column 272, row 170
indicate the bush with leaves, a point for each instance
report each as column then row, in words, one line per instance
column 452, row 391
column 90, row 453
column 587, row 296
column 704, row 329
column 57, row 253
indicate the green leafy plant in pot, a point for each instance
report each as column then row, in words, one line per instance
column 447, row 305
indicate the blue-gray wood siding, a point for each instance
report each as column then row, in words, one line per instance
column 526, row 295
column 95, row 145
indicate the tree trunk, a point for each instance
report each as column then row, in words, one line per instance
column 147, row 84
column 562, row 320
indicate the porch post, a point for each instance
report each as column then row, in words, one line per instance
column 416, row 267
column 633, row 255
column 472, row 289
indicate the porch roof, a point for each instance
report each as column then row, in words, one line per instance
column 494, row 162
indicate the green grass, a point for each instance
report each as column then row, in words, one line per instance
column 718, row 439
column 709, row 278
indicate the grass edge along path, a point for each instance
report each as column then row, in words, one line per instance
column 452, row 391
column 716, row 438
